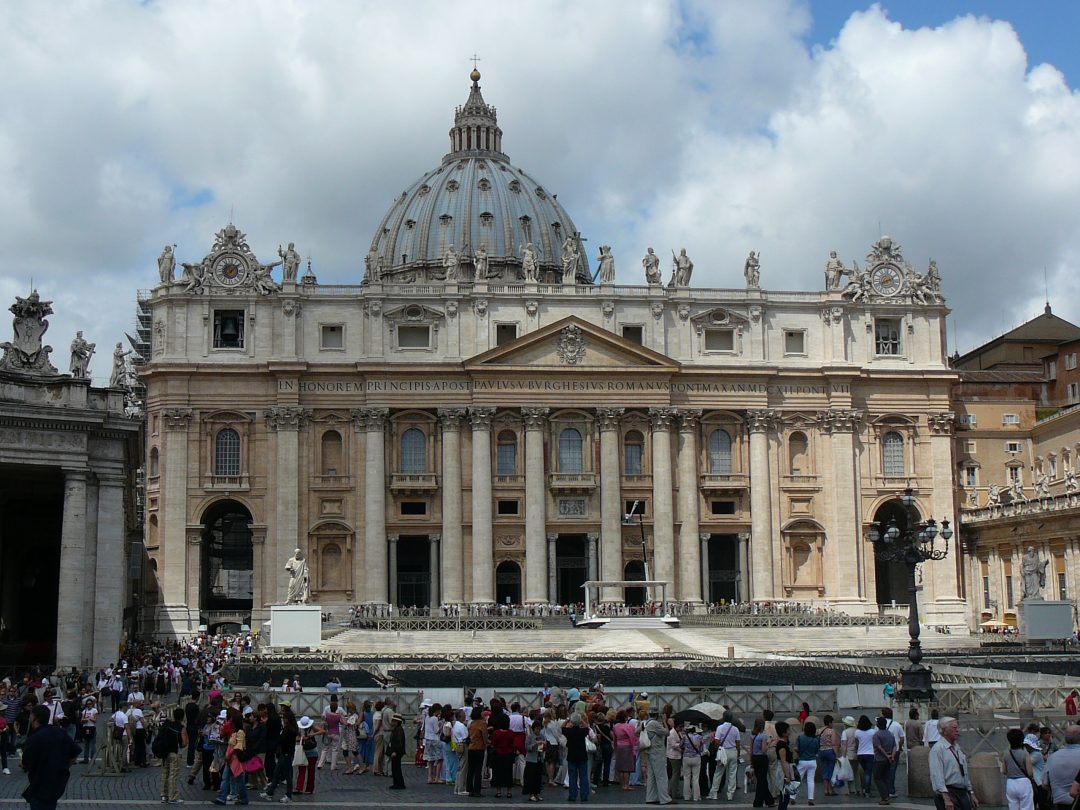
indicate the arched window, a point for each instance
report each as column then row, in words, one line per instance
column 570, row 460
column 155, row 459
column 331, row 454
column 892, row 455
column 413, row 452
column 227, row 452
column 719, row 453
column 506, row 453
column 633, row 453
column 798, row 453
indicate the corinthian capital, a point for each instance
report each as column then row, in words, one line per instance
column 941, row 423
column 608, row 418
column 761, row 421
column 662, row 418
column 689, row 419
column 534, row 418
column 480, row 418
column 840, row 420
column 450, row 418
column 176, row 418
column 373, row 419
column 287, row 417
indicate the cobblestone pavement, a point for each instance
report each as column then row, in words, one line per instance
column 141, row 789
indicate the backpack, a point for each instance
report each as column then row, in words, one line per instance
column 160, row 747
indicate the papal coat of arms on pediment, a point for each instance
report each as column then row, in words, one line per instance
column 571, row 345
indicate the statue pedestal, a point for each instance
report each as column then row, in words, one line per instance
column 296, row 626
column 1045, row 620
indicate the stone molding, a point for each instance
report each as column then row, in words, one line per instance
column 287, row 417
column 609, row 418
column 535, row 418
column 450, row 418
column 662, row 418
column 176, row 418
column 480, row 418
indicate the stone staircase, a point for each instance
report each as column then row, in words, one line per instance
column 637, row 623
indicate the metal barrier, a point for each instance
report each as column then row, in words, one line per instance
column 312, row 702
column 791, row 620
column 970, row 700
column 443, row 623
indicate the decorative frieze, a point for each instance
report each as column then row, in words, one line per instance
column 689, row 419
column 534, row 418
column 761, row 421
column 840, row 420
column 941, row 424
column 371, row 419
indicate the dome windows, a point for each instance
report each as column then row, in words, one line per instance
column 446, row 220
column 487, row 218
column 540, row 193
column 484, row 184
column 424, row 190
column 515, row 186
column 410, row 224
column 453, row 185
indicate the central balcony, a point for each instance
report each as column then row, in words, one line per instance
column 729, row 482
column 414, row 482
column 572, row 482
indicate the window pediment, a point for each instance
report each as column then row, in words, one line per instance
column 414, row 313
column 719, row 316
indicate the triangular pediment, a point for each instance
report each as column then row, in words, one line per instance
column 569, row 344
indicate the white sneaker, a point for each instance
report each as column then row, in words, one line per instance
column 7, row 772
column 284, row 800
column 267, row 796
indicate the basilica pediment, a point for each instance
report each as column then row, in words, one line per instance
column 569, row 344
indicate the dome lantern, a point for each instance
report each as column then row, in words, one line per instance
column 476, row 127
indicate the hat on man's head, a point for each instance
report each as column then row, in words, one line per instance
column 425, row 702
column 305, row 723
column 643, row 693
column 398, row 718
column 849, row 721
column 1031, row 741
column 222, row 714
column 248, row 710
column 285, row 703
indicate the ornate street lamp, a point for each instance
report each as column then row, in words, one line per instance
column 912, row 544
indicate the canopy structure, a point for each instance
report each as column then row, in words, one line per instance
column 592, row 590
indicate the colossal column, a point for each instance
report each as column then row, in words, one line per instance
column 483, row 560
column 433, row 598
column 761, row 541
column 590, row 554
column 391, row 540
column 947, row 607
column 374, row 422
column 286, row 422
column 69, row 616
column 846, row 526
column 174, row 524
column 452, row 556
column 610, row 502
column 553, row 585
column 690, row 560
column 703, row 577
column 109, row 588
column 535, row 506
column 663, row 517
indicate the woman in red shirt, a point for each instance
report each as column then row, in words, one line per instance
column 505, row 746
column 1070, row 703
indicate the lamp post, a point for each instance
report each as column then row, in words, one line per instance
column 912, row 544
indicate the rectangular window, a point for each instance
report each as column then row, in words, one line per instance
column 887, row 336
column 1051, row 467
column 634, row 507
column 970, row 446
column 723, row 507
column 1072, row 393
column 632, row 459
column 986, row 592
column 635, row 334
column 1012, row 447
column 971, row 477
column 504, row 333
column 507, row 507
column 1062, row 593
column 1070, row 361
column 414, row 337
column 506, row 458
column 228, row 329
column 332, row 336
column 719, row 340
column 1013, row 474
column 794, row 342
column 1010, row 419
column 1051, row 369
column 969, row 419
column 1009, row 592
column 413, row 508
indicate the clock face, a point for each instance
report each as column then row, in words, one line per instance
column 230, row 270
column 886, row 279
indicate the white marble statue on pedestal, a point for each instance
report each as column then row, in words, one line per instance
column 81, row 352
column 1033, row 574
column 166, row 264
column 606, row 261
column 651, row 263
column 299, row 579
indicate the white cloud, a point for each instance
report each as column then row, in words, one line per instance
column 709, row 125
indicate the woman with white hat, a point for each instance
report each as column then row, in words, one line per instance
column 308, row 754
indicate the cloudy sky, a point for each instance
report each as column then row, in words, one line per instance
column 792, row 128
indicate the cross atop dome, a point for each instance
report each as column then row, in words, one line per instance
column 476, row 128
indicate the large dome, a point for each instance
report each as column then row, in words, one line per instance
column 476, row 202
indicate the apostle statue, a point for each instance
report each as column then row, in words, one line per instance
column 651, row 263
column 194, row 277
column 933, row 277
column 1033, row 574
column 993, row 496
column 452, row 263
column 681, row 270
column 529, row 262
column 752, row 270
column 1017, row 491
column 834, row 272
column 606, row 263
column 570, row 258
column 1071, row 483
column 290, row 262
column 1042, row 485
column 166, row 264
column 299, row 579
column 119, row 376
column 480, row 262
column 81, row 352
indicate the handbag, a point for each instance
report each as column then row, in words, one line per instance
column 722, row 753
column 590, row 746
column 644, row 740
column 361, row 731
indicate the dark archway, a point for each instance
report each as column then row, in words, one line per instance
column 508, row 583
column 228, row 562
column 634, row 597
column 724, row 568
column 891, row 577
column 413, row 571
column 571, row 569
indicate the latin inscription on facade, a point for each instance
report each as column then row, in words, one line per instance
column 466, row 386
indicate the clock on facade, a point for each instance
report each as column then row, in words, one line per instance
column 229, row 270
column 886, row 279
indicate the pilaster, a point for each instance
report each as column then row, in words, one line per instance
column 373, row 421
column 536, row 560
column 610, row 501
column 663, row 508
column 690, row 559
column 69, row 617
column 109, row 596
column 174, row 512
column 483, row 559
column 764, row 575
column 286, row 422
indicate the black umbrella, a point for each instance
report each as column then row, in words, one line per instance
column 696, row 717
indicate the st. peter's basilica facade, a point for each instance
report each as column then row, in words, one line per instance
column 474, row 421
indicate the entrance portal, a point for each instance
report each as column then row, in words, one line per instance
column 634, row 597
column 227, row 565
column 571, row 569
column 31, row 521
column 413, row 571
column 508, row 583
column 892, row 577
column 723, row 565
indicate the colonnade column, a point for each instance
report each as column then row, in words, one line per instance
column 846, row 525
column 452, row 551
column 69, row 616
column 374, row 422
column 536, row 560
column 942, row 576
column 553, row 590
column 433, row 598
column 744, row 566
column 663, row 512
column 610, row 502
column 590, row 554
column 176, row 572
column 761, row 540
column 483, row 560
column 706, row 591
column 391, row 541
column 690, row 559
column 285, row 422
column 109, row 585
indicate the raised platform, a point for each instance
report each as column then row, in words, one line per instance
column 629, row 623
